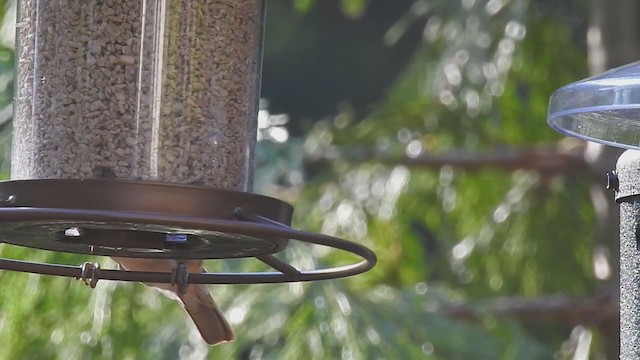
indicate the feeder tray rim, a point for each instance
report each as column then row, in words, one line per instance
column 285, row 272
column 245, row 214
column 134, row 218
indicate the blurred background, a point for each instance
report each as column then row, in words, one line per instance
column 417, row 128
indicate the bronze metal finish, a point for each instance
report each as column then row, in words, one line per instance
column 137, row 219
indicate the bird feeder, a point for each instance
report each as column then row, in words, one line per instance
column 134, row 136
column 606, row 109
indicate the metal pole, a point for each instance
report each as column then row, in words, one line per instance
column 626, row 184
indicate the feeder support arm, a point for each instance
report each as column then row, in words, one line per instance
column 626, row 184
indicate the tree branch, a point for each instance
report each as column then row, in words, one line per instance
column 548, row 160
column 557, row 308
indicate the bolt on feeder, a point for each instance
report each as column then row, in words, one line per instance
column 606, row 109
column 134, row 136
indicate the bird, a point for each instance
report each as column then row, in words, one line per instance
column 196, row 300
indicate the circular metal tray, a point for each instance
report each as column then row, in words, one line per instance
column 137, row 219
column 134, row 219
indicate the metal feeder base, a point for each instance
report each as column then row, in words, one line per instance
column 136, row 219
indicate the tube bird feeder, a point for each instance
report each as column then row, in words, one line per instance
column 606, row 109
column 134, row 136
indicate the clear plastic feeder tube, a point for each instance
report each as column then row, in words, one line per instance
column 160, row 90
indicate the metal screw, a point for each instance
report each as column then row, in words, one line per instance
column 612, row 181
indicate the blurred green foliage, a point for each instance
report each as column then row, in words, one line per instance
column 480, row 79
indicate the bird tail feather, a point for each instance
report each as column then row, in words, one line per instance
column 206, row 315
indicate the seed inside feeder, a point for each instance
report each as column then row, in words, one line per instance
column 72, row 232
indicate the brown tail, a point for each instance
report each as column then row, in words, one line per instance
column 208, row 318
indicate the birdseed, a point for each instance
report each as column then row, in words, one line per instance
column 124, row 89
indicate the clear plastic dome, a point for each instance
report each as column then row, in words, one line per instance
column 604, row 108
